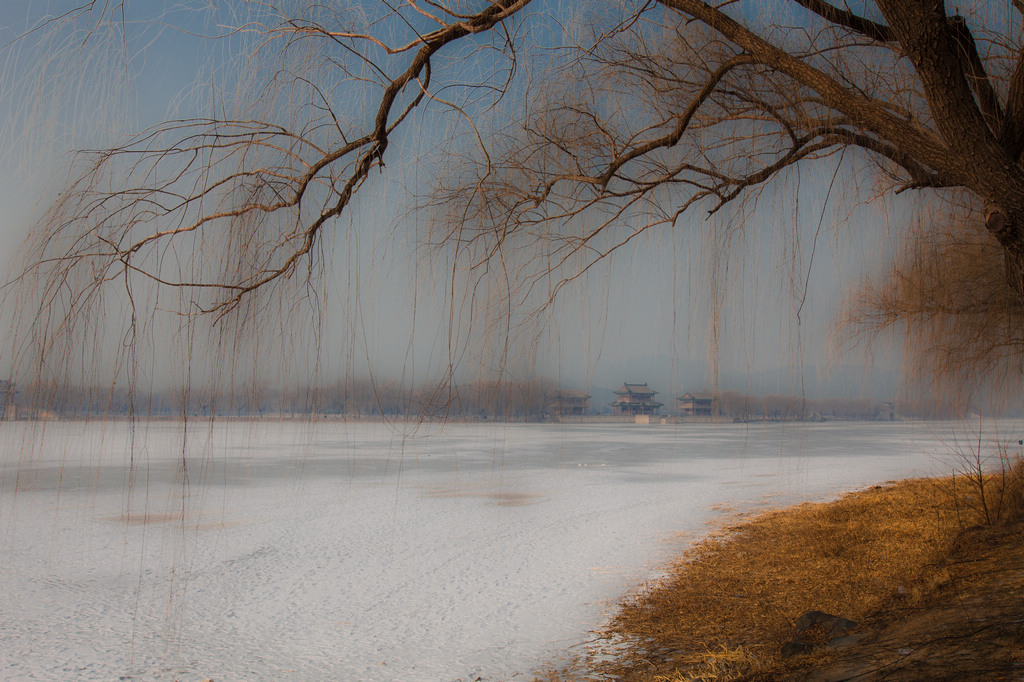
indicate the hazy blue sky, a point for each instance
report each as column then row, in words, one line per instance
column 643, row 315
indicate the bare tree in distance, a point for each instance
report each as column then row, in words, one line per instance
column 666, row 112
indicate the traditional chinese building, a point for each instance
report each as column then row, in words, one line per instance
column 691, row 405
column 568, row 403
column 636, row 399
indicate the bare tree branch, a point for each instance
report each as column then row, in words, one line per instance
column 847, row 19
column 871, row 114
column 197, row 149
column 1011, row 136
column 976, row 76
column 675, row 108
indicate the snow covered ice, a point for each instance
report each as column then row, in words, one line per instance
column 357, row 551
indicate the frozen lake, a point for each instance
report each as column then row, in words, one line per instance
column 360, row 551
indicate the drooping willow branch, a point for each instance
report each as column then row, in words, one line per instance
column 266, row 189
column 680, row 109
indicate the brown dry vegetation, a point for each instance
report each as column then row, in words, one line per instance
column 908, row 561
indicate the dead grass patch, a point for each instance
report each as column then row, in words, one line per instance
column 987, row 487
column 714, row 665
column 919, row 562
column 730, row 602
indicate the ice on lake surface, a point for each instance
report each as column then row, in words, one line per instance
column 358, row 551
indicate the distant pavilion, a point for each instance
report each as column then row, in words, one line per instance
column 569, row 403
column 636, row 399
column 697, row 405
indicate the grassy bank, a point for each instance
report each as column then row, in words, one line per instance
column 881, row 557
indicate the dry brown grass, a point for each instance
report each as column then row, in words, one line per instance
column 878, row 555
column 731, row 602
column 987, row 488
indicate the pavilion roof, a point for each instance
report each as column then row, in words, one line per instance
column 639, row 389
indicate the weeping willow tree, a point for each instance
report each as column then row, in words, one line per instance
column 648, row 117
column 948, row 296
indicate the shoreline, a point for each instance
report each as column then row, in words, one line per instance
column 893, row 559
column 559, row 554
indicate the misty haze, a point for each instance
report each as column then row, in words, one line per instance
column 511, row 339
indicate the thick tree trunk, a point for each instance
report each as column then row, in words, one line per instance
column 1007, row 230
column 983, row 154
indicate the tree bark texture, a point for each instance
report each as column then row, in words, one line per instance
column 973, row 141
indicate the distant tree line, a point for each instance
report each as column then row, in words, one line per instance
column 786, row 407
column 526, row 400
column 356, row 398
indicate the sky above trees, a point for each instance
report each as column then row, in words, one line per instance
column 667, row 302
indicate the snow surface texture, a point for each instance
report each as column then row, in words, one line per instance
column 361, row 551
